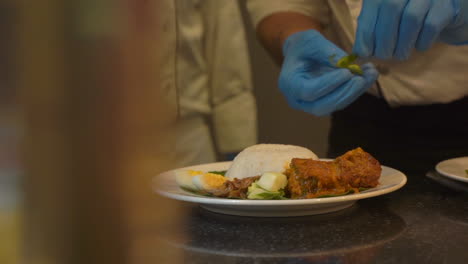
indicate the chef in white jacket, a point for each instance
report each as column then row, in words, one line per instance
column 409, row 107
column 205, row 72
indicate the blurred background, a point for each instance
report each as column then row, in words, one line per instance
column 73, row 86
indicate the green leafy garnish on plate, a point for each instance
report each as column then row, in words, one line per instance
column 466, row 171
column 272, row 195
column 219, row 172
column 256, row 192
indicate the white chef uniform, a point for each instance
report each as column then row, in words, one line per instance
column 207, row 77
column 427, row 77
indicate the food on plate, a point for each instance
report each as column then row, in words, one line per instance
column 255, row 192
column 466, row 171
column 208, row 182
column 257, row 159
column 199, row 181
column 272, row 181
column 236, row 188
column 348, row 173
column 270, row 186
column 282, row 171
column 218, row 172
column 184, row 178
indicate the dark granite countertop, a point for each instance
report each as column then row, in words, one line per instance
column 424, row 222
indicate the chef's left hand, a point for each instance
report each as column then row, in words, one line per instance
column 393, row 28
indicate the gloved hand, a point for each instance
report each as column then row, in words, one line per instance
column 310, row 80
column 393, row 28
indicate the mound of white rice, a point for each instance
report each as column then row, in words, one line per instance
column 257, row 159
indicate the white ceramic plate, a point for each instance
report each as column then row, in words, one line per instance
column 165, row 184
column 454, row 168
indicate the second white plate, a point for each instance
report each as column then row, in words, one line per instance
column 454, row 168
column 165, row 184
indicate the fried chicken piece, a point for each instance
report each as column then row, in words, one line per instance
column 308, row 178
column 236, row 188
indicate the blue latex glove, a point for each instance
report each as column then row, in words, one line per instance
column 311, row 82
column 393, row 28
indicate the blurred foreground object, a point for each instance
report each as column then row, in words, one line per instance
column 97, row 129
column 10, row 195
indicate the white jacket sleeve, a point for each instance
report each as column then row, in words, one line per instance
column 259, row 9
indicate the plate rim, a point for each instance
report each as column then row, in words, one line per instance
column 193, row 198
column 450, row 175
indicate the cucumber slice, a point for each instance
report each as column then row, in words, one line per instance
column 272, row 181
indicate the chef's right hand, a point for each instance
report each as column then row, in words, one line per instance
column 310, row 80
column 394, row 28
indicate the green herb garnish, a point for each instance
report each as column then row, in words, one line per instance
column 466, row 171
column 272, row 195
column 219, row 172
column 348, row 63
column 257, row 192
column 356, row 69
